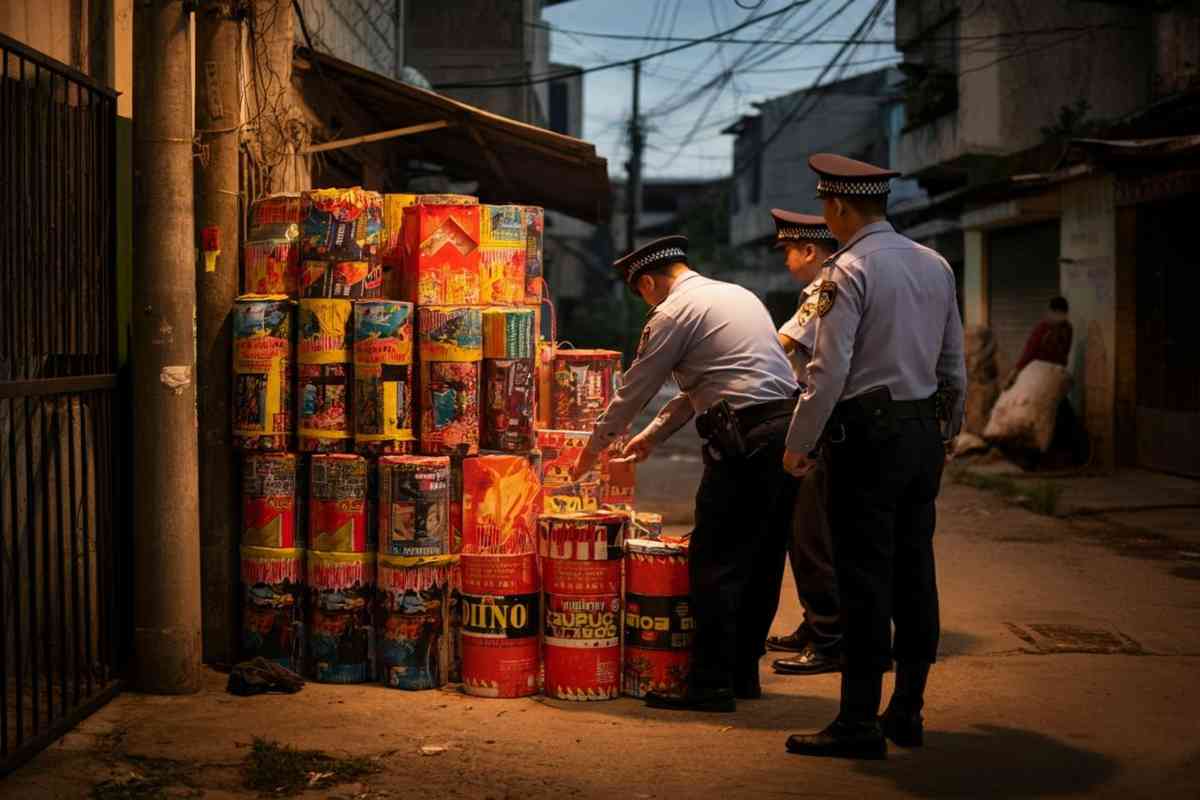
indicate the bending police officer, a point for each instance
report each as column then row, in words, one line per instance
column 718, row 341
column 888, row 342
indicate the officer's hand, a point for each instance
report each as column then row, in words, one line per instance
column 584, row 464
column 638, row 449
column 797, row 464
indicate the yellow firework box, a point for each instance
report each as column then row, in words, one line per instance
column 393, row 241
column 262, row 371
column 502, row 255
column 450, row 344
column 383, row 356
column 323, row 353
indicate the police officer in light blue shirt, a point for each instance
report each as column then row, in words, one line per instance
column 886, row 385
column 718, row 342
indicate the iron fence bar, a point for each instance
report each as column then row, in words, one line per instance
column 67, row 385
column 87, row 546
column 8, row 528
column 54, row 65
column 71, row 402
column 6, row 178
column 39, row 742
column 47, row 609
column 31, row 554
column 59, row 520
column 18, row 639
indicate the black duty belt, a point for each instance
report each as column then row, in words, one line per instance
column 751, row 417
column 849, row 410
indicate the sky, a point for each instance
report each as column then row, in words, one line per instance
column 684, row 120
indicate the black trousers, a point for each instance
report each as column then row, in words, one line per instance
column 811, row 556
column 736, row 556
column 882, row 517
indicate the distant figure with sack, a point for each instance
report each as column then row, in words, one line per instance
column 1050, row 340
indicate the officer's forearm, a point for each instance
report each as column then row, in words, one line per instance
column 673, row 416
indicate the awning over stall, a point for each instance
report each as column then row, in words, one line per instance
column 513, row 161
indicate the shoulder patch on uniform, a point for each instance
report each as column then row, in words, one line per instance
column 808, row 309
column 826, row 295
column 644, row 339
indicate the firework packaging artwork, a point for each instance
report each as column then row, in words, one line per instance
column 584, row 383
column 659, row 622
column 595, row 536
column 441, row 254
column 454, row 620
column 535, row 223
column 502, row 255
column 269, row 494
column 646, row 525
column 450, row 341
column 341, row 592
column 618, row 480
column 509, row 388
column 582, row 589
column 272, row 266
column 500, row 504
column 561, row 495
column 500, row 621
column 456, row 503
column 276, row 216
column 272, row 605
column 392, row 242
column 508, row 333
column 383, row 356
column 414, row 505
column 323, row 353
column 340, row 224
column 347, row 280
column 413, row 642
column 545, row 380
column 337, row 508
column 262, row 372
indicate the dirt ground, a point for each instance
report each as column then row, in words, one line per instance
column 1069, row 666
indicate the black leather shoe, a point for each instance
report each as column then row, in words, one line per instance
column 792, row 643
column 711, row 700
column 747, row 688
column 904, row 728
column 841, row 740
column 810, row 661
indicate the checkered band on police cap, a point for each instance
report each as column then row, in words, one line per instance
column 667, row 250
column 857, row 188
column 803, row 233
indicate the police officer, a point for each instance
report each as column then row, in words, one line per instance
column 719, row 343
column 889, row 346
column 807, row 243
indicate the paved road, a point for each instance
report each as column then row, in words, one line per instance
column 1069, row 666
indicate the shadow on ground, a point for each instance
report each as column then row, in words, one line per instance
column 775, row 711
column 995, row 761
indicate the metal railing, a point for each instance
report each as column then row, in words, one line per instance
column 61, row 542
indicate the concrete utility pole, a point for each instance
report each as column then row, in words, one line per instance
column 635, row 160
column 166, row 558
column 218, row 116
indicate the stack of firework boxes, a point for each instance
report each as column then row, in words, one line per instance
column 352, row 523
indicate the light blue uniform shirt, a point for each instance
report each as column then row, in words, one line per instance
column 717, row 340
column 894, row 322
column 801, row 328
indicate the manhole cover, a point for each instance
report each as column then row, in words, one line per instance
column 1057, row 638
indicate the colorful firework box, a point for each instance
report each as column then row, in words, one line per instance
column 584, row 383
column 414, row 648
column 500, row 504
column 273, row 605
column 275, row 216
column 350, row 280
column 456, row 503
column 338, row 504
column 502, row 255
column 535, row 223
column 392, row 244
column 269, row 494
column 450, row 342
column 341, row 588
column 509, row 404
column 414, row 505
column 618, row 481
column 508, row 333
column 262, row 367
column 323, row 353
column 441, row 254
column 545, row 380
column 450, row 334
column 271, row 266
column 501, row 615
column 340, row 224
column 561, row 495
column 383, row 355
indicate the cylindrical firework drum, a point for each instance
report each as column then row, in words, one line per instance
column 323, row 369
column 341, row 591
column 413, row 641
column 509, row 380
column 262, row 372
column 337, row 507
column 583, row 383
column 500, row 504
column 414, row 505
column 269, row 506
column 582, row 588
column 272, row 605
column 500, row 613
column 646, row 525
column 659, row 625
column 383, row 355
column 454, row 622
column 450, row 340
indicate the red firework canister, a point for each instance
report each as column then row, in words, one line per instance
column 582, row 580
column 337, row 515
column 659, row 626
column 269, row 501
column 500, row 624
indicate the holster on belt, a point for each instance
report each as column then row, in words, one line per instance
column 729, row 430
column 874, row 416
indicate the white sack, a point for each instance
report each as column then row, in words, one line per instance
column 1024, row 415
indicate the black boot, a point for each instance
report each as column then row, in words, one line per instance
column 856, row 732
column 902, row 721
column 710, row 700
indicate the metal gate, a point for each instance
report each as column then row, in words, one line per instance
column 60, row 539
